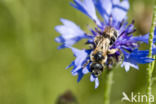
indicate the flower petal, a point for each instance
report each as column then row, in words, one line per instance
column 87, row 7
column 81, row 55
column 70, row 33
column 96, row 82
column 144, row 38
column 127, row 66
column 104, row 7
column 117, row 9
column 120, row 9
column 81, row 59
column 135, row 57
column 92, row 78
column 80, row 76
column 154, row 51
column 141, row 38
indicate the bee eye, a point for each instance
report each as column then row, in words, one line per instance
column 106, row 35
column 96, row 42
column 112, row 40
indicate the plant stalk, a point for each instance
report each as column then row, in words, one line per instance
column 108, row 86
column 150, row 67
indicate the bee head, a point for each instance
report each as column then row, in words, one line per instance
column 96, row 69
column 98, row 56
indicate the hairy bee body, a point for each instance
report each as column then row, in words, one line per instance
column 100, row 53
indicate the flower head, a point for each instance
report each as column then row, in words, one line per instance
column 111, row 42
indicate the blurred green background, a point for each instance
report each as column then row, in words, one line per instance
column 32, row 70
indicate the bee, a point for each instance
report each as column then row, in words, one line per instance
column 99, row 55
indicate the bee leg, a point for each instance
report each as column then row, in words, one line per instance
column 91, row 46
column 120, row 57
column 97, row 39
column 112, row 51
column 104, row 60
column 85, row 64
column 110, row 63
column 91, row 56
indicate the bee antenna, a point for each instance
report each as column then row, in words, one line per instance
column 110, row 20
column 96, row 29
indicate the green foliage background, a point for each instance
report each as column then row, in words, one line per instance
column 32, row 70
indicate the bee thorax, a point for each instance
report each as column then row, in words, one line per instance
column 98, row 56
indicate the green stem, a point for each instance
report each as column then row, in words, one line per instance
column 108, row 84
column 151, row 65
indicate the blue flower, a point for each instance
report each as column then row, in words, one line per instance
column 114, row 15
